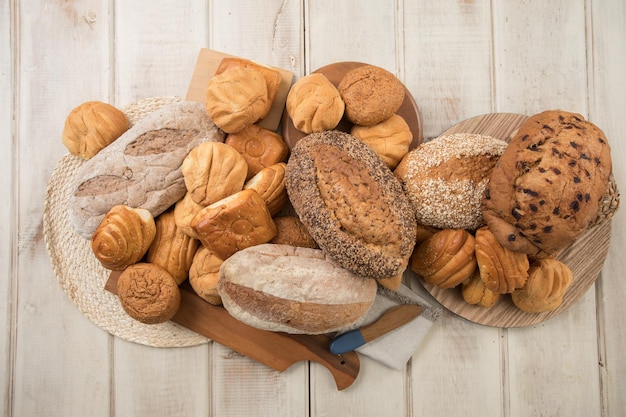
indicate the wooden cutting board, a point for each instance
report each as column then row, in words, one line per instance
column 584, row 257
column 276, row 350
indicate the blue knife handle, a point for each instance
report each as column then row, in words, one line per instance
column 347, row 342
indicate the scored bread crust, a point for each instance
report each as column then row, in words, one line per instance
column 351, row 204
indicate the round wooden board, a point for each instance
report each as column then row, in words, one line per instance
column 585, row 256
column 335, row 72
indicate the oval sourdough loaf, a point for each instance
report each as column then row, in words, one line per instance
column 142, row 168
column 294, row 290
column 351, row 204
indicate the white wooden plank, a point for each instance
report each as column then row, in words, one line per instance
column 607, row 23
column 61, row 359
column 535, row 72
column 7, row 213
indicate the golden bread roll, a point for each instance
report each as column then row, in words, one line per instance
column 204, row 274
column 501, row 269
column 123, row 237
column 291, row 231
column 549, row 183
column 311, row 295
column 314, row 104
column 234, row 223
column 424, row 232
column 212, row 171
column 259, row 147
column 390, row 139
column 272, row 76
column 237, row 98
column 548, row 280
column 445, row 259
column 475, row 292
column 445, row 179
column 91, row 127
column 172, row 249
column 184, row 212
column 270, row 184
column 371, row 94
column 148, row 293
column 351, row 204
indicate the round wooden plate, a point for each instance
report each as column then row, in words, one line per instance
column 585, row 256
column 335, row 72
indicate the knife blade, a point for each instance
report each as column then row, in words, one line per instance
column 390, row 320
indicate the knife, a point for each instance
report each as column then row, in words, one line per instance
column 390, row 320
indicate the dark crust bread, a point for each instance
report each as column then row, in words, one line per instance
column 351, row 204
column 547, row 186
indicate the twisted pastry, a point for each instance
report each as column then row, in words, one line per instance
column 548, row 280
column 123, row 237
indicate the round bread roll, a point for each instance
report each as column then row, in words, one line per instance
column 271, row 75
column 184, row 212
column 123, row 237
column 549, row 183
column 548, row 280
column 371, row 94
column 294, row 290
column 314, row 104
column 204, row 274
column 92, row 126
column 351, row 204
column 445, row 179
column 237, row 98
column 270, row 184
column 390, row 139
column 291, row 231
column 475, row 292
column 259, row 147
column 148, row 293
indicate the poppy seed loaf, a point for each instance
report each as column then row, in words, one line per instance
column 547, row 186
column 351, row 204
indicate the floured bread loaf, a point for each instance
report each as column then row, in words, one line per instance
column 311, row 294
column 351, row 204
column 142, row 168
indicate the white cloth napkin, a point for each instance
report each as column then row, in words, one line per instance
column 395, row 348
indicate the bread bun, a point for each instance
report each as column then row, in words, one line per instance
column 445, row 179
column 172, row 249
column 390, row 139
column 314, row 104
column 234, row 223
column 237, row 98
column 204, row 274
column 272, row 76
column 291, row 231
column 311, row 295
column 371, row 94
column 445, row 259
column 184, row 212
column 91, row 127
column 270, row 184
column 548, row 280
column 123, row 237
column 148, row 293
column 351, row 204
column 213, row 171
column 549, row 183
column 475, row 292
column 259, row 147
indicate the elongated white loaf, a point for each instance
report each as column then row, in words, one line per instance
column 294, row 290
column 142, row 168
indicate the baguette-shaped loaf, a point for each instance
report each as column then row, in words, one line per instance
column 294, row 290
column 142, row 168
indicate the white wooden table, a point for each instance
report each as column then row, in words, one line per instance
column 458, row 58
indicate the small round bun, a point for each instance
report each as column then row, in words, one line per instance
column 291, row 231
column 314, row 104
column 390, row 139
column 445, row 179
column 148, row 293
column 371, row 94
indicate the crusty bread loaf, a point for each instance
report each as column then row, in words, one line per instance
column 351, row 204
column 293, row 290
column 548, row 184
column 314, row 104
column 142, row 168
column 123, row 237
column 259, row 147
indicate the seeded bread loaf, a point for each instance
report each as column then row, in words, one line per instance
column 142, row 168
column 547, row 186
column 351, row 204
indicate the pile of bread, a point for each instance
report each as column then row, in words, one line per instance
column 297, row 240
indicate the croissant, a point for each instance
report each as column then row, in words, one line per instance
column 501, row 269
column 172, row 249
column 475, row 292
column 204, row 274
column 548, row 280
column 123, row 237
column 445, row 259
